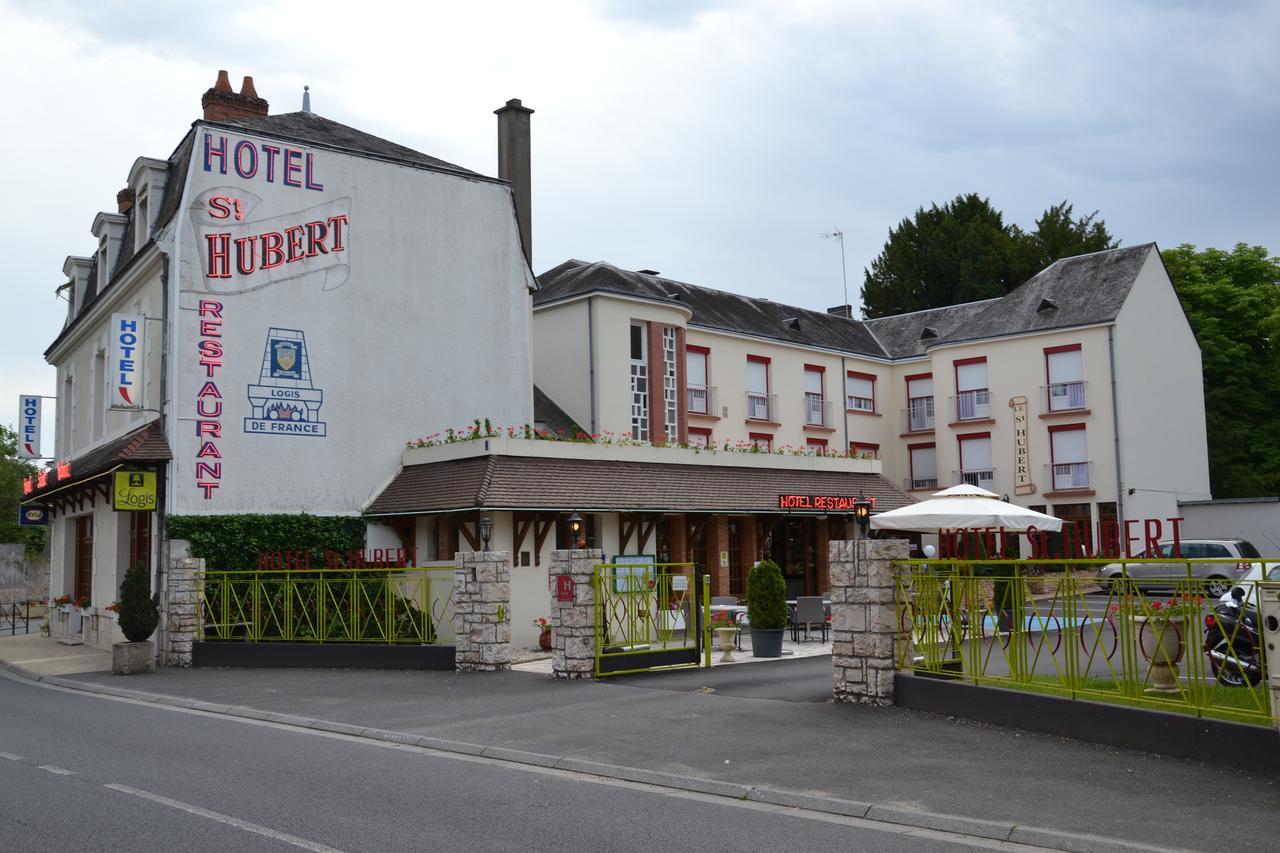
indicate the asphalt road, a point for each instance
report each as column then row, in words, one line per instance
column 85, row 773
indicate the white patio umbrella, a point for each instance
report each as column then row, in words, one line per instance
column 964, row 507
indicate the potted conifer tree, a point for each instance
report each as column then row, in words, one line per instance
column 766, row 609
column 139, row 616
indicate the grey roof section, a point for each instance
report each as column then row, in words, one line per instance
column 1085, row 289
column 1082, row 290
column 713, row 309
column 175, row 180
column 557, row 420
column 905, row 335
column 311, row 128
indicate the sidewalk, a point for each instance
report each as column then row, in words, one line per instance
column 767, row 730
column 46, row 656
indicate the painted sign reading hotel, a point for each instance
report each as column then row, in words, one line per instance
column 127, row 349
column 29, row 417
column 240, row 252
column 826, row 503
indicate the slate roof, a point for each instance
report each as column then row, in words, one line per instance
column 558, row 422
column 142, row 445
column 317, row 130
column 1084, row 290
column 604, row 485
column 713, row 309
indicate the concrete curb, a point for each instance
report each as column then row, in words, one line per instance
column 1053, row 839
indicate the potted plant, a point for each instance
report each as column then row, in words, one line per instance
column 543, row 624
column 726, row 633
column 1160, row 638
column 139, row 614
column 766, row 609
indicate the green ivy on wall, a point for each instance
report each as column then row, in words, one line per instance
column 231, row 542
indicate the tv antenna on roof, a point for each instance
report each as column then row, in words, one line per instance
column 838, row 235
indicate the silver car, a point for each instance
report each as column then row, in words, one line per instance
column 1233, row 558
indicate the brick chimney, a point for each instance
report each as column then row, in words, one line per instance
column 513, row 165
column 842, row 311
column 124, row 200
column 222, row 104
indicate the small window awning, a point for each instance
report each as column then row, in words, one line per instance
column 524, row 483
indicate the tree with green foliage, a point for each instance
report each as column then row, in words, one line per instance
column 1232, row 300
column 139, row 608
column 963, row 251
column 12, row 472
column 766, row 597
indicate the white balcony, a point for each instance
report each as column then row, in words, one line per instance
column 1063, row 397
column 918, row 415
column 701, row 400
column 972, row 405
column 982, row 478
column 762, row 407
column 918, row 483
column 817, row 411
column 1069, row 476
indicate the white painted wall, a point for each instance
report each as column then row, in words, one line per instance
column 561, row 358
column 613, row 317
column 1161, row 399
column 422, row 323
column 1257, row 520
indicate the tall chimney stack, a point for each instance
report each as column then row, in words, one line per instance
column 514, row 166
column 221, row 103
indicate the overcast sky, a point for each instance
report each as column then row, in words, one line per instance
column 713, row 141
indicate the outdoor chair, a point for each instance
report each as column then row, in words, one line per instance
column 809, row 611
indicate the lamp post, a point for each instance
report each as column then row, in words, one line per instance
column 862, row 513
column 486, row 530
column 575, row 528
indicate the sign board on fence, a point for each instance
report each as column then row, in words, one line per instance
column 679, row 583
column 134, row 491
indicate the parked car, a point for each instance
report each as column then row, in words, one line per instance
column 1233, row 559
column 1249, row 582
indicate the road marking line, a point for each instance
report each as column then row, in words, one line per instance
column 11, row 756
column 57, row 771
column 257, row 829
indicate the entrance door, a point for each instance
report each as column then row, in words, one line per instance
column 84, row 557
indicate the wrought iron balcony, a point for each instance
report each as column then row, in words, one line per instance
column 762, row 407
column 701, row 400
column 972, row 405
column 918, row 415
column 1069, row 476
column 817, row 411
column 917, row 483
column 982, row 478
column 1063, row 397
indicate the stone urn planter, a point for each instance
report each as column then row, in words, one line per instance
column 132, row 658
column 1161, row 641
column 726, row 637
column 544, row 641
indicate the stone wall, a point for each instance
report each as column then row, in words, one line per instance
column 863, row 619
column 180, row 616
column 573, row 623
column 482, row 611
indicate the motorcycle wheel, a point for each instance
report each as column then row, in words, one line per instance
column 1216, row 587
column 1233, row 676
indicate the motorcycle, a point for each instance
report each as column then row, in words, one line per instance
column 1232, row 644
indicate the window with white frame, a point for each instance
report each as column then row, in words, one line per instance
column 670, row 388
column 758, row 389
column 920, row 403
column 924, row 466
column 1069, row 451
column 639, row 382
column 813, row 397
column 696, row 381
column 976, row 467
column 1064, row 367
column 861, row 391
column 973, row 399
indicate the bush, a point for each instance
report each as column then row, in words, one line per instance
column 139, row 609
column 767, row 597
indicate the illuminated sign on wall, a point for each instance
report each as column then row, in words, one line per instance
column 128, row 340
column 825, row 503
column 208, row 466
column 29, row 416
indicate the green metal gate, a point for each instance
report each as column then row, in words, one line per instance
column 651, row 616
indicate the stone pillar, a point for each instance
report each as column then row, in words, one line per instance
column 863, row 619
column 482, row 611
column 573, row 623
column 182, row 609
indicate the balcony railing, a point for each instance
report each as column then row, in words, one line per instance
column 761, row 407
column 1062, row 397
column 918, row 415
column 702, row 400
column 1068, row 476
column 972, row 405
column 982, row 478
column 817, row 411
column 915, row 483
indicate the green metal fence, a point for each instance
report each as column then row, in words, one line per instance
column 1137, row 639
column 651, row 616
column 408, row 606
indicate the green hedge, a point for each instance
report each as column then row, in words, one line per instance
column 231, row 542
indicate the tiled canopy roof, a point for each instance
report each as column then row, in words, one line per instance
column 144, row 445
column 602, row 485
